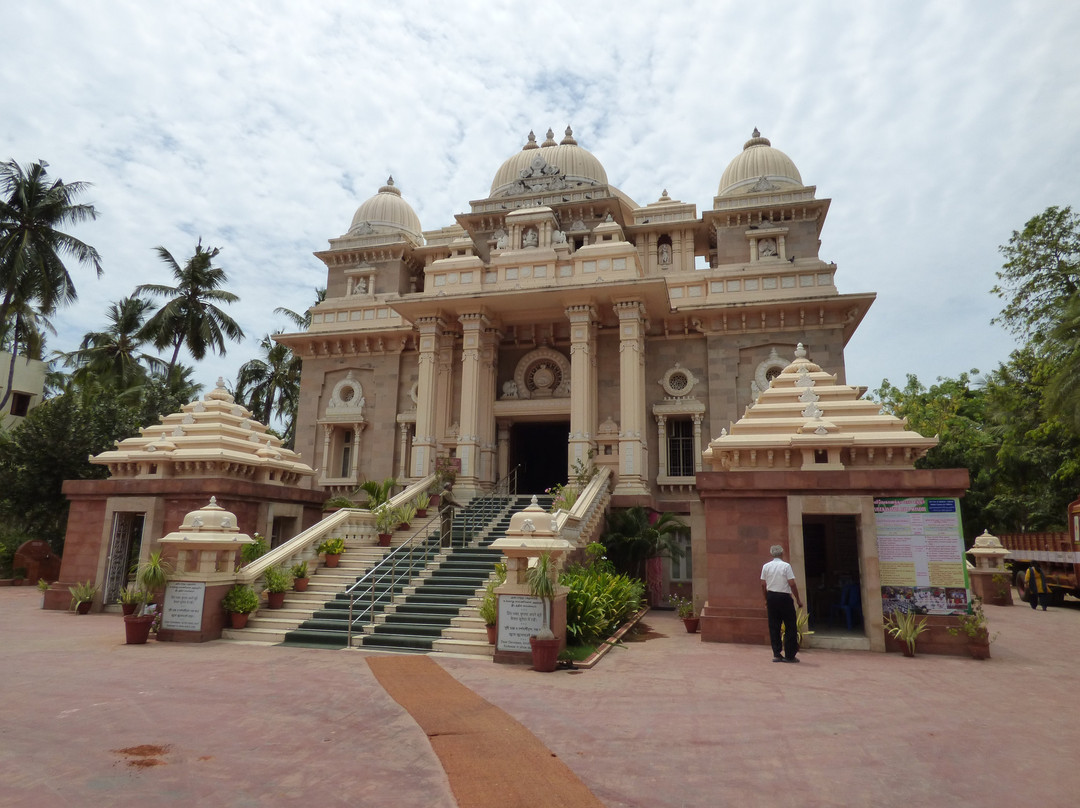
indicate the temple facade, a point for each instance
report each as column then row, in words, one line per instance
column 557, row 323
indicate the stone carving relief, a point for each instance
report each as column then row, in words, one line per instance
column 767, row 248
column 530, row 238
column 765, row 372
column 678, row 382
column 543, row 373
column 558, row 237
column 762, row 185
column 502, row 241
column 347, row 396
column 664, row 254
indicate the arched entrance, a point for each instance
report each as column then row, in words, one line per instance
column 540, row 452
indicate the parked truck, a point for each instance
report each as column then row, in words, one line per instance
column 1058, row 555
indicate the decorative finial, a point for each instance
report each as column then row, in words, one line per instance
column 390, row 180
column 221, row 382
column 213, row 500
column 664, row 196
column 569, row 139
column 532, row 142
column 800, row 351
column 550, row 138
column 756, row 133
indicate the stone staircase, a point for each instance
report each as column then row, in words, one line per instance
column 434, row 610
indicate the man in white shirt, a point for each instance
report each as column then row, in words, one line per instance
column 778, row 586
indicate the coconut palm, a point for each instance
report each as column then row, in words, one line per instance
column 632, row 538
column 115, row 354
column 270, row 385
column 33, row 275
column 190, row 317
column 302, row 320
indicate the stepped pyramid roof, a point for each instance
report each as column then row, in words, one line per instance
column 805, row 420
column 214, row 437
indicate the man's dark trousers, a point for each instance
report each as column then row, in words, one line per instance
column 781, row 608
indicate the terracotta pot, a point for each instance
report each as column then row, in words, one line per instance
column 137, row 629
column 384, row 539
column 275, row 600
column 908, row 651
column 492, row 634
column 300, row 584
column 421, row 512
column 403, row 526
column 332, row 559
column 545, row 653
column 128, row 608
column 979, row 650
column 84, row 607
column 691, row 624
column 238, row 620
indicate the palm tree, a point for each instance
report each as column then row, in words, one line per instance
column 32, row 247
column 302, row 320
column 632, row 538
column 190, row 317
column 114, row 354
column 270, row 385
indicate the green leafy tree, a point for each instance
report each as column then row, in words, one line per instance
column 1041, row 273
column 190, row 316
column 634, row 536
column 33, row 247
column 269, row 385
column 115, row 354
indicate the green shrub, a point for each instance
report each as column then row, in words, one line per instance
column 249, row 552
column 599, row 601
column 277, row 579
column 241, row 600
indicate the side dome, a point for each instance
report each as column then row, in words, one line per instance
column 548, row 166
column 759, row 167
column 386, row 213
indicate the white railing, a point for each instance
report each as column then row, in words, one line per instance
column 581, row 523
column 354, row 525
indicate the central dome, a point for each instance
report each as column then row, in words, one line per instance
column 759, row 167
column 548, row 166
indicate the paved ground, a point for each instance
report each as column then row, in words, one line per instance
column 87, row 720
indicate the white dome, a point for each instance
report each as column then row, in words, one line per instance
column 759, row 167
column 549, row 165
column 386, row 213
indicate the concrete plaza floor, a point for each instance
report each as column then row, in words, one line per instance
column 668, row 721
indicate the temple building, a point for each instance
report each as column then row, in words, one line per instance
column 558, row 320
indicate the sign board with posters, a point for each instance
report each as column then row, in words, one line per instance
column 921, row 555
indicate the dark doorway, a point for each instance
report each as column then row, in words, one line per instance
column 831, row 553
column 540, row 451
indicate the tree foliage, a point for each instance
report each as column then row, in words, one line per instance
column 634, row 535
column 1041, row 273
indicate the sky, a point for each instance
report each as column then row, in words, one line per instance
column 936, row 129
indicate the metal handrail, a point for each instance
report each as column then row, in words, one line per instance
column 388, row 566
column 504, row 488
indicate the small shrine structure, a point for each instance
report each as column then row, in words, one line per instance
column 213, row 447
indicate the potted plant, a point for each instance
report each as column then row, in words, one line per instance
column 379, row 493
column 422, row 501
column 905, row 627
column 489, row 611
column 300, row 576
column 42, row 587
column 82, row 596
column 385, row 522
column 545, row 645
column 332, row 549
column 405, row 514
column 130, row 598
column 239, row 602
column 684, row 607
column 257, row 549
column 336, row 503
column 151, row 576
column 277, row 580
column 973, row 626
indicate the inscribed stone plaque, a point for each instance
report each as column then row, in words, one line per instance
column 183, row 608
column 520, row 617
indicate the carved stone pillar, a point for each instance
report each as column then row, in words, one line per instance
column 661, row 447
column 489, row 368
column 583, row 384
column 697, row 441
column 327, row 433
column 504, row 448
column 633, row 461
column 403, row 448
column 354, row 464
column 423, row 450
column 473, row 326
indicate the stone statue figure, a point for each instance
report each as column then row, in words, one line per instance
column 360, row 286
column 767, row 247
column 502, row 241
column 558, row 237
column 531, row 238
column 665, row 254
column 510, row 389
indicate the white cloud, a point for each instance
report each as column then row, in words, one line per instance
column 936, row 129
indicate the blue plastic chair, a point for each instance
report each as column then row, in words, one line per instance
column 850, row 605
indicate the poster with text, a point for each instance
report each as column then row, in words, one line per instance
column 921, row 555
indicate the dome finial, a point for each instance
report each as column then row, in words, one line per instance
column 756, row 140
column 550, row 141
column 569, row 139
column 390, row 180
column 532, row 142
column 756, row 133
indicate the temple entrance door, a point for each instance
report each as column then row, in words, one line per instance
column 123, row 553
column 831, row 553
column 540, row 451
